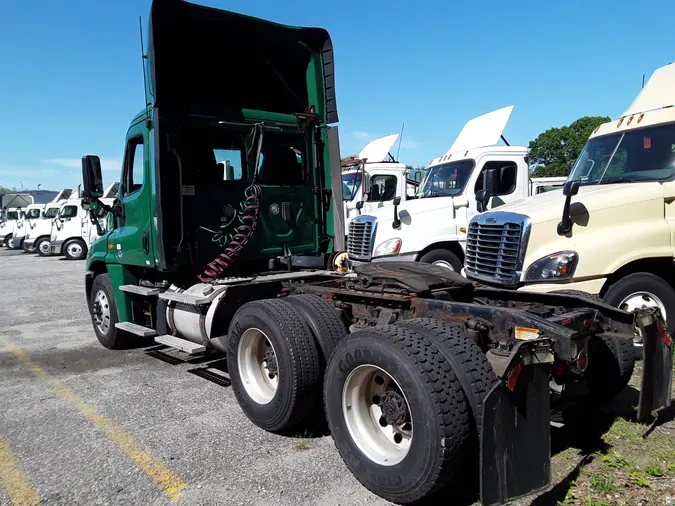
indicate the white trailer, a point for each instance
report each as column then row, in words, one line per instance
column 431, row 227
column 73, row 231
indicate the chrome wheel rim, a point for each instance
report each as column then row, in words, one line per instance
column 101, row 312
column 642, row 299
column 444, row 263
column 45, row 247
column 377, row 415
column 74, row 249
column 258, row 367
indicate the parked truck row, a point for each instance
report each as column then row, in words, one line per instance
column 430, row 382
column 57, row 227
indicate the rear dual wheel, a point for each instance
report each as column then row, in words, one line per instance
column 277, row 353
column 400, row 416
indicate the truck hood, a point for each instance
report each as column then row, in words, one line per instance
column 377, row 150
column 210, row 61
column 548, row 206
column 607, row 222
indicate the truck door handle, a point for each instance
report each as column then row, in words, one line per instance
column 146, row 242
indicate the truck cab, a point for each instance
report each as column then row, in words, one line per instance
column 431, row 226
column 611, row 232
column 74, row 229
column 32, row 215
column 12, row 216
column 38, row 233
column 373, row 178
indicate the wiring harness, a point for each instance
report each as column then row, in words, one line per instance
column 247, row 216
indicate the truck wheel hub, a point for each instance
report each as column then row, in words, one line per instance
column 393, row 408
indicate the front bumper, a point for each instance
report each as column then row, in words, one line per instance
column 407, row 257
column 56, row 247
column 592, row 286
column 29, row 245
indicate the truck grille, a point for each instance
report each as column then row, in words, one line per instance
column 360, row 238
column 493, row 250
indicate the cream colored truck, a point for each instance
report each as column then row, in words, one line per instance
column 612, row 230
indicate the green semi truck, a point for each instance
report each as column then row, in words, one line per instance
column 223, row 239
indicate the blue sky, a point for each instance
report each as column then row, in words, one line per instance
column 71, row 77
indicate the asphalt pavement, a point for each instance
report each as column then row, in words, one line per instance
column 83, row 425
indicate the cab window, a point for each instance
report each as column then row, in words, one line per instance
column 133, row 166
column 69, row 212
column 505, row 177
column 382, row 188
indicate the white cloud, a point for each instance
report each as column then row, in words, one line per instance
column 107, row 164
column 361, row 136
column 409, row 143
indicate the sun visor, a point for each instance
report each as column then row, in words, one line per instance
column 210, row 61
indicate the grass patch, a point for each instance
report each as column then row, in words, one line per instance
column 654, row 471
column 617, row 461
column 302, row 441
column 640, row 479
column 603, row 484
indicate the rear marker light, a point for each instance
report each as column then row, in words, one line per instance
column 582, row 361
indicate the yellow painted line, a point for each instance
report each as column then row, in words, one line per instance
column 170, row 483
column 13, row 479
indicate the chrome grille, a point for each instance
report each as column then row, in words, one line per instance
column 360, row 238
column 494, row 250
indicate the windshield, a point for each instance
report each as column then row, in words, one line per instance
column 12, row 215
column 647, row 154
column 68, row 212
column 445, row 180
column 51, row 212
column 33, row 213
column 350, row 185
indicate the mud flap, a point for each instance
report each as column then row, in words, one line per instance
column 657, row 366
column 516, row 438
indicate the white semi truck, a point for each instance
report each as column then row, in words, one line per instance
column 431, row 227
column 12, row 207
column 611, row 232
column 372, row 179
column 73, row 231
column 38, row 232
column 31, row 214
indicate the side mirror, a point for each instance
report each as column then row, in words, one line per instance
column 359, row 206
column 570, row 188
column 397, row 221
column 482, row 199
column 91, row 177
column 366, row 184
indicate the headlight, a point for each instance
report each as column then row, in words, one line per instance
column 389, row 247
column 559, row 265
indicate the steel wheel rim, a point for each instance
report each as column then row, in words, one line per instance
column 101, row 311
column 258, row 366
column 383, row 442
column 45, row 247
column 74, row 250
column 642, row 299
column 444, row 263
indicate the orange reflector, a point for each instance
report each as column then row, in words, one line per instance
column 619, row 123
column 640, row 117
column 629, row 120
column 110, row 246
column 513, row 376
column 462, row 230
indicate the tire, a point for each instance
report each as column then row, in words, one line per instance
column 298, row 382
column 324, row 321
column 464, row 355
column 102, row 293
column 431, row 391
column 443, row 258
column 38, row 247
column 5, row 243
column 644, row 282
column 75, row 249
